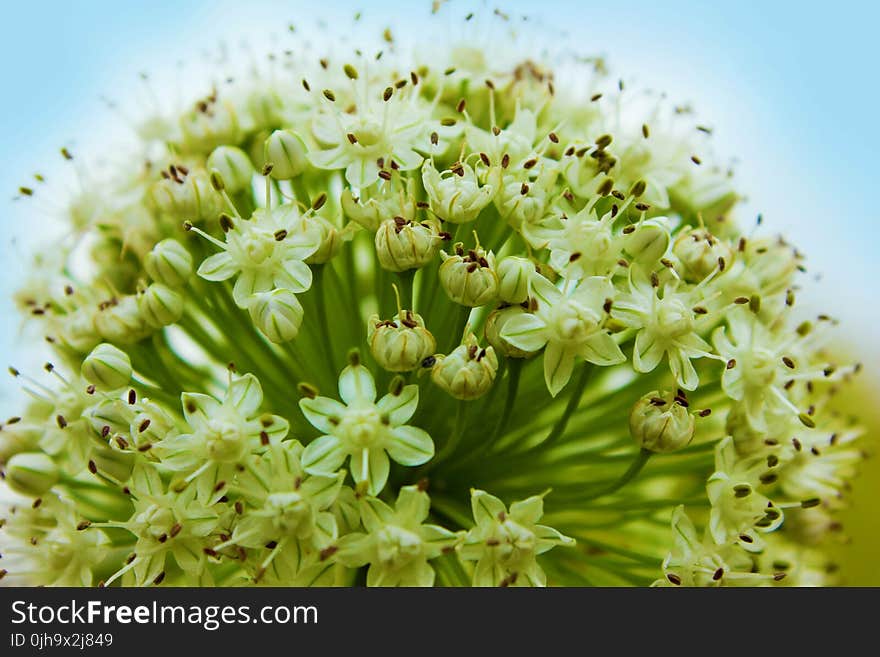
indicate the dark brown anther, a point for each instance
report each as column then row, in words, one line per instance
column 329, row 95
column 553, row 137
column 132, row 397
column 731, row 364
column 496, row 130
column 674, row 579
column 524, row 189
column 328, row 552
column 696, row 160
column 385, row 175
column 90, row 389
column 505, row 161
column 528, row 164
column 706, row 412
column 429, row 362
column 175, row 529
column 62, row 423
column 718, row 574
column 655, row 279
column 144, row 426
column 595, row 97
column 93, row 468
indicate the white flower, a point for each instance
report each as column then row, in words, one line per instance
column 666, row 326
column 739, row 511
column 364, row 430
column 265, row 252
column 223, row 433
column 569, row 324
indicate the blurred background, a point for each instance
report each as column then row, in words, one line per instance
column 789, row 89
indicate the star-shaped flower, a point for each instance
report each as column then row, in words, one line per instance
column 397, row 544
column 367, row 431
column 569, row 324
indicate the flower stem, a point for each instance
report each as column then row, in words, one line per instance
column 454, row 439
column 573, row 402
column 405, row 278
column 630, row 474
column 321, row 306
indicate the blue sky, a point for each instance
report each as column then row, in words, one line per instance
column 789, row 87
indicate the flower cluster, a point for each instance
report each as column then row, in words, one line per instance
column 487, row 292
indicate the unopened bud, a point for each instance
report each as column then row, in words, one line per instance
column 649, row 241
column 402, row 343
column 403, row 244
column 277, row 314
column 659, row 423
column 107, row 367
column 31, row 473
column 699, row 253
column 514, row 274
column 160, row 305
column 169, row 263
column 234, row 167
column 286, row 151
column 468, row 372
column 469, row 278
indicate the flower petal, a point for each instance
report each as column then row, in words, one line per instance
column 197, row 408
column 410, row 446
column 218, row 267
column 647, row 352
column 294, row 275
column 412, row 506
column 246, row 394
column 529, row 511
column 601, row 349
column 371, row 466
column 324, row 455
column 486, row 508
column 322, row 413
column 400, row 408
column 525, row 331
column 356, row 384
column 558, row 365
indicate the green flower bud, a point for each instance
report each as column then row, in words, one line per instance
column 402, row 244
column 107, row 367
column 114, row 462
column 327, row 237
column 169, row 263
column 402, row 343
column 700, row 253
column 208, row 125
column 31, row 473
column 660, row 422
column 386, row 204
column 286, row 152
column 468, row 372
column 121, row 321
column 186, row 196
column 234, row 166
column 649, row 241
column 160, row 305
column 469, row 278
column 514, row 274
column 277, row 314
column 495, row 325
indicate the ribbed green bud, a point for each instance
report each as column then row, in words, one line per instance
column 234, row 167
column 277, row 314
column 402, row 343
column 402, row 244
column 660, row 422
column 286, row 152
column 468, row 372
column 513, row 279
column 160, row 305
column 31, row 473
column 649, row 241
column 700, row 253
column 121, row 321
column 186, row 196
column 169, row 263
column 107, row 367
column 469, row 278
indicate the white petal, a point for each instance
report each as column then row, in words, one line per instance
column 218, row 267
column 400, row 408
column 410, row 446
column 322, row 413
column 356, row 384
column 323, row 456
